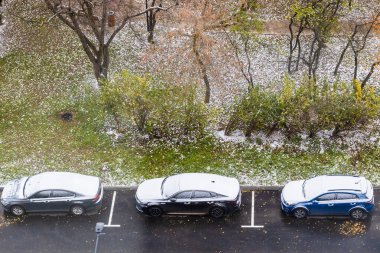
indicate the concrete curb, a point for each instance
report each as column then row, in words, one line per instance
column 243, row 187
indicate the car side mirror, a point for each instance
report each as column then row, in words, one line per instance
column 173, row 200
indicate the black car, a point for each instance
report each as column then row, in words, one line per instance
column 53, row 192
column 189, row 193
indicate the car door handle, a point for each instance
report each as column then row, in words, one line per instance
column 330, row 204
column 210, row 202
column 353, row 204
column 186, row 203
column 46, row 201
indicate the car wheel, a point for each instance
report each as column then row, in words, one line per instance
column 155, row 211
column 300, row 213
column 17, row 210
column 77, row 210
column 217, row 212
column 358, row 214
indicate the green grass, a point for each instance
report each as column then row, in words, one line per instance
column 40, row 141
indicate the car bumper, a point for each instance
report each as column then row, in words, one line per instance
column 93, row 209
column 142, row 208
column 287, row 209
column 6, row 208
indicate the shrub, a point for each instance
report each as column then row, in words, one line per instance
column 154, row 107
column 298, row 110
column 256, row 110
column 305, row 108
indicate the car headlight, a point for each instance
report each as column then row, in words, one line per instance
column 137, row 200
column 4, row 202
column 289, row 203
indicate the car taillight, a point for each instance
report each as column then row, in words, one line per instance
column 372, row 201
column 96, row 198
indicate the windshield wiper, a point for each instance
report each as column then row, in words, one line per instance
column 162, row 186
column 303, row 188
column 23, row 189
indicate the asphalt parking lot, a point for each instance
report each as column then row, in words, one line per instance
column 264, row 230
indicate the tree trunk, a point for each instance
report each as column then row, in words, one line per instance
column 250, row 128
column 370, row 74
column 203, row 70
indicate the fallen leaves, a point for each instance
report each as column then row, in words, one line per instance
column 350, row 228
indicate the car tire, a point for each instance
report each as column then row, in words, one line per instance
column 17, row 210
column 217, row 212
column 358, row 214
column 300, row 213
column 155, row 211
column 77, row 210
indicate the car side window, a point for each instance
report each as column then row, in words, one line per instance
column 343, row 196
column 183, row 195
column 62, row 194
column 201, row 195
column 326, row 197
column 41, row 195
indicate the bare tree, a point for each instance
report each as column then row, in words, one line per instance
column 151, row 17
column 357, row 42
column 376, row 27
column 1, row 12
column 320, row 17
column 202, row 20
column 90, row 20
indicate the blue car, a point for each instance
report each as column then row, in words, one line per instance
column 327, row 196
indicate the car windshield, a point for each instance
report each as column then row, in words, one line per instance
column 311, row 187
column 170, row 185
column 31, row 185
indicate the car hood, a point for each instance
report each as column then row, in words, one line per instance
column 292, row 192
column 150, row 190
column 14, row 189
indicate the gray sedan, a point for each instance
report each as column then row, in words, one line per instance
column 53, row 192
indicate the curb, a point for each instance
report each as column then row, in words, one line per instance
column 243, row 188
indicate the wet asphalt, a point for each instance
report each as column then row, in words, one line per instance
column 196, row 234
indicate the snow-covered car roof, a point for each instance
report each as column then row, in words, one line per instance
column 73, row 182
column 203, row 182
column 323, row 184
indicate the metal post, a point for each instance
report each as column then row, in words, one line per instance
column 96, row 244
column 98, row 229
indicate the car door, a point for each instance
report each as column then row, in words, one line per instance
column 61, row 200
column 179, row 203
column 323, row 205
column 39, row 202
column 344, row 202
column 201, row 202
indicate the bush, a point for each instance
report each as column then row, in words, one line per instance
column 298, row 109
column 305, row 108
column 154, row 107
column 256, row 110
column 340, row 106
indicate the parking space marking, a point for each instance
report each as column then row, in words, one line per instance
column 111, row 212
column 252, row 215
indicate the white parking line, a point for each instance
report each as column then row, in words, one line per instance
column 252, row 215
column 111, row 212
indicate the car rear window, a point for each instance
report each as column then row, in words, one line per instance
column 342, row 196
